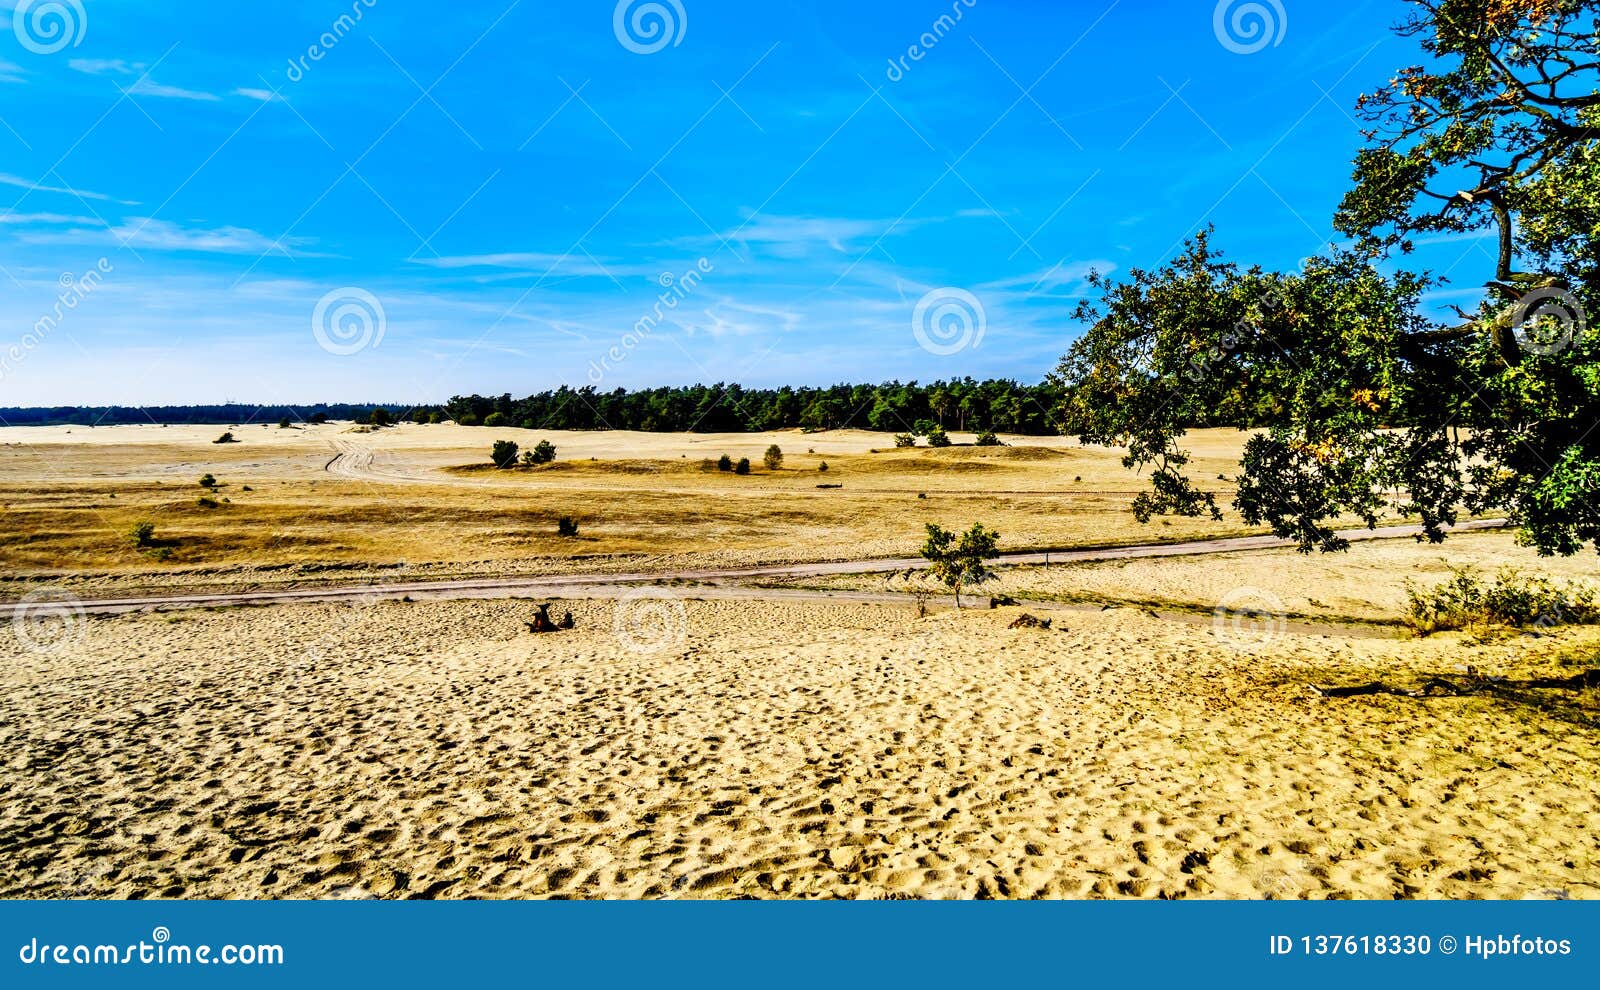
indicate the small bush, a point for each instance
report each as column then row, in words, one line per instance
column 207, row 502
column 285, row 423
column 504, row 454
column 567, row 526
column 988, row 439
column 823, row 467
column 904, row 440
column 724, row 463
column 207, row 481
column 1467, row 601
column 544, row 452
column 495, row 420
column 743, row 467
column 142, row 534
column 225, row 438
column 938, row 438
column 773, row 458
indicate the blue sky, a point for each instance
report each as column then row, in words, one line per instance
column 513, row 184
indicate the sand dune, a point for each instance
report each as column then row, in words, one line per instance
column 436, row 750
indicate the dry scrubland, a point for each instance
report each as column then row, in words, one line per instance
column 392, row 497
column 771, row 749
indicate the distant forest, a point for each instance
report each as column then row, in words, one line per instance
column 962, row 405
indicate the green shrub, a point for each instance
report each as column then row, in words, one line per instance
column 504, row 454
column 207, row 481
column 1510, row 598
column 773, row 458
column 207, row 502
column 225, row 438
column 938, row 438
column 988, row 439
column 142, row 534
column 544, row 452
column 285, row 423
column 823, row 467
column 724, row 463
column 904, row 440
column 567, row 526
column 743, row 467
column 495, row 420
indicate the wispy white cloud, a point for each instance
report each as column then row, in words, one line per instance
column 30, row 186
column 105, row 66
column 149, row 87
column 11, row 72
column 264, row 95
column 40, row 219
column 145, row 233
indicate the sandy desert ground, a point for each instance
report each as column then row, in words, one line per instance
column 679, row 744
column 791, row 750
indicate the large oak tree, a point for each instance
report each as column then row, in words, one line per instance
column 1377, row 409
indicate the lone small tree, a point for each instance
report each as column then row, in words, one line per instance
column 743, row 467
column 544, row 452
column 959, row 562
column 504, row 454
column 773, row 458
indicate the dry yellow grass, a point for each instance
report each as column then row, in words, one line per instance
column 401, row 496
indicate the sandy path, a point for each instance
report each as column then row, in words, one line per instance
column 595, row 585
